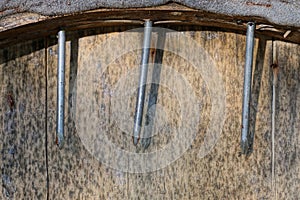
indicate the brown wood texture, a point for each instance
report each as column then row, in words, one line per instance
column 28, row 72
column 73, row 172
column 287, row 165
column 28, row 26
column 23, row 116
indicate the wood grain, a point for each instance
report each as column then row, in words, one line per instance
column 28, row 26
column 97, row 63
column 73, row 172
column 287, row 158
column 23, row 155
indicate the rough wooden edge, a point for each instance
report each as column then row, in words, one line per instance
column 281, row 12
column 26, row 26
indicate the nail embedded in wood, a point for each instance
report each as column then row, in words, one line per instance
column 239, row 22
column 275, row 79
column 286, row 33
column 61, row 88
column 246, row 139
column 151, row 109
column 142, row 82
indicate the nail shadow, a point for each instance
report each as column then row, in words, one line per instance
column 256, row 86
column 74, row 46
column 151, row 109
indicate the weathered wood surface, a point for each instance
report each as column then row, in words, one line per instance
column 23, row 117
column 25, row 26
column 75, row 174
column 287, row 121
column 281, row 12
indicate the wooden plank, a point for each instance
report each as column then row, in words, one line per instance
column 23, row 114
column 74, row 172
column 287, row 138
column 264, row 11
column 28, row 26
column 222, row 173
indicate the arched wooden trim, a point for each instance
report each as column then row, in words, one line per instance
column 26, row 26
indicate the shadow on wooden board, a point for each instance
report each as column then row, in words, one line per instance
column 22, row 117
column 32, row 101
column 256, row 86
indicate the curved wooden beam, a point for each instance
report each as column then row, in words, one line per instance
column 24, row 26
column 281, row 12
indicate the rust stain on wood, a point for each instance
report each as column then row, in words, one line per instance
column 10, row 101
